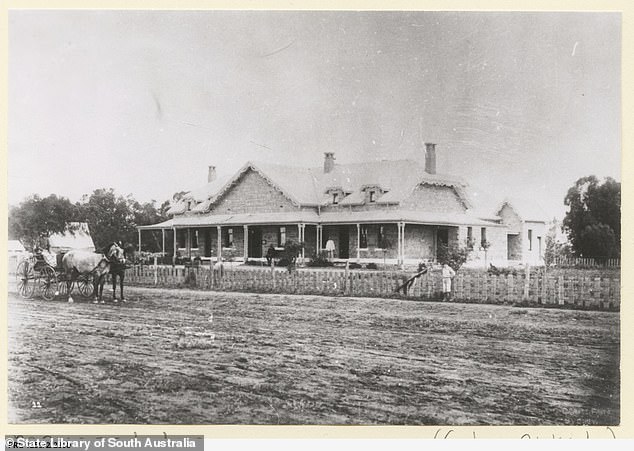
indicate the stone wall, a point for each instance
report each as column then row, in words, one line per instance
column 440, row 199
column 252, row 194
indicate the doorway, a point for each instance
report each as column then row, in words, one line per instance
column 513, row 247
column 344, row 242
column 442, row 237
column 207, row 248
column 255, row 242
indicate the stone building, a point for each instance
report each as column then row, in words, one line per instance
column 400, row 211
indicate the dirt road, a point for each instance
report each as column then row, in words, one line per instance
column 190, row 357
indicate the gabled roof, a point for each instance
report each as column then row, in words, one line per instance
column 308, row 186
column 526, row 209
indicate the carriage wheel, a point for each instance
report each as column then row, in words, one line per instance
column 48, row 283
column 25, row 278
column 85, row 286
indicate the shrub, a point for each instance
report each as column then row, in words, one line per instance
column 495, row 271
column 371, row 266
column 289, row 254
column 320, row 260
column 354, row 265
column 454, row 255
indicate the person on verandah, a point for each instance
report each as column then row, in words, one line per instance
column 330, row 248
column 270, row 254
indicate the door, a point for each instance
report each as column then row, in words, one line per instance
column 513, row 247
column 207, row 242
column 344, row 242
column 442, row 238
column 255, row 242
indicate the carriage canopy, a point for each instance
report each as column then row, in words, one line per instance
column 76, row 238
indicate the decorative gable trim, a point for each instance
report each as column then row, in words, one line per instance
column 458, row 189
column 234, row 180
column 507, row 202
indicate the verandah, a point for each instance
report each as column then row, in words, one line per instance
column 395, row 242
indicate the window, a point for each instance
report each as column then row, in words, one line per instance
column 281, row 237
column 539, row 245
column 335, row 198
column 469, row 234
column 372, row 196
column 530, row 240
column 483, row 236
column 380, row 237
column 363, row 237
column 228, row 238
column 182, row 238
column 195, row 239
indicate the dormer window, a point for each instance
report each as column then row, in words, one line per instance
column 372, row 193
column 335, row 195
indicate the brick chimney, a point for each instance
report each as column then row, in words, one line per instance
column 329, row 162
column 430, row 158
column 211, row 174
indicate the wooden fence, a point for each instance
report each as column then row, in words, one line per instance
column 588, row 262
column 536, row 289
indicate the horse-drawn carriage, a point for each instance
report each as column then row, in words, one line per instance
column 39, row 275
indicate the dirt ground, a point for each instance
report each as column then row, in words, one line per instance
column 191, row 357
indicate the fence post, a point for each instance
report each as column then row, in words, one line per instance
column 597, row 291
column 560, row 290
column 346, row 277
column 155, row 271
column 527, row 280
column 510, row 285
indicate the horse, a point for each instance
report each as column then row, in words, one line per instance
column 75, row 263
column 118, row 270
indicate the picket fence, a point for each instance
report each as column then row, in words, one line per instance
column 579, row 262
column 566, row 291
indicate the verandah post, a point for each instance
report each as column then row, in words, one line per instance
column 219, row 244
column 174, row 254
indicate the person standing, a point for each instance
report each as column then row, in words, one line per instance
column 447, row 275
column 330, row 248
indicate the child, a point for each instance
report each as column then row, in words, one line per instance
column 447, row 274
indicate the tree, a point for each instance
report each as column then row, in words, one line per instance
column 144, row 214
column 36, row 218
column 454, row 255
column 593, row 220
column 109, row 217
column 599, row 240
column 554, row 249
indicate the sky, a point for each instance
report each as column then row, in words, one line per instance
column 520, row 105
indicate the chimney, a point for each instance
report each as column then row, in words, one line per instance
column 430, row 158
column 329, row 162
column 211, row 174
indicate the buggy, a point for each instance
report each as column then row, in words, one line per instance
column 37, row 276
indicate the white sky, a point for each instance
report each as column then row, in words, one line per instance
column 520, row 104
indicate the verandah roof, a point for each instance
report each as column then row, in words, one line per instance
column 413, row 217
column 330, row 218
